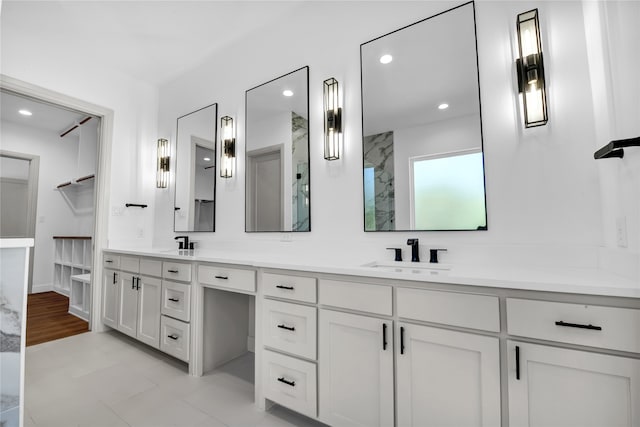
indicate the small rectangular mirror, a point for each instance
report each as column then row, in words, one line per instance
column 277, row 155
column 422, row 130
column 195, row 183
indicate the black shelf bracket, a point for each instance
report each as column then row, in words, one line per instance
column 615, row 148
column 135, row 205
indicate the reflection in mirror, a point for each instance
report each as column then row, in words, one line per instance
column 277, row 150
column 195, row 187
column 422, row 132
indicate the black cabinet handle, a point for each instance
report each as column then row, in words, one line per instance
column 222, row 277
column 133, row 282
column 173, row 337
column 137, row 283
column 174, row 299
column 288, row 328
column 577, row 325
column 291, row 383
column 384, row 336
column 108, row 261
column 114, row 277
column 289, row 288
column 172, row 271
column 401, row 339
column 517, row 362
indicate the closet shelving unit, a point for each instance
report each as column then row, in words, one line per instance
column 73, row 256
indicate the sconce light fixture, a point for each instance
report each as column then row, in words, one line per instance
column 530, row 69
column 162, row 170
column 332, row 120
column 227, row 147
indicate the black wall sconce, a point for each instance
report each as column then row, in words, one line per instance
column 227, row 147
column 162, row 170
column 530, row 69
column 332, row 120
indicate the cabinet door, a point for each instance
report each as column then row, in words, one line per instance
column 110, row 289
column 128, row 304
column 561, row 387
column 356, row 370
column 149, row 297
column 447, row 378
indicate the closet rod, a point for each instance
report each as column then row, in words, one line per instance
column 83, row 121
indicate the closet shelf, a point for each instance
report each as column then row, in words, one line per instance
column 616, row 148
column 82, row 181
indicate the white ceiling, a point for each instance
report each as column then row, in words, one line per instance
column 45, row 116
column 154, row 41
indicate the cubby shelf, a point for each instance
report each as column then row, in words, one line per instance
column 72, row 258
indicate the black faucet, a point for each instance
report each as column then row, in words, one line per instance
column 434, row 255
column 415, row 256
column 183, row 245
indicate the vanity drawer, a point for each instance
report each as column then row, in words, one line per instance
column 450, row 308
column 174, row 338
column 150, row 267
column 176, row 271
column 296, row 288
column 232, row 278
column 290, row 327
column 357, row 296
column 129, row 263
column 112, row 261
column 176, row 300
column 290, row 382
column 590, row 325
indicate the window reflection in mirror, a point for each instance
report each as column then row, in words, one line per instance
column 423, row 163
column 277, row 155
column 195, row 183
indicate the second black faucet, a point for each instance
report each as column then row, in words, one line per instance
column 415, row 250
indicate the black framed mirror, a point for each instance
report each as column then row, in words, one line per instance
column 277, row 194
column 195, row 182
column 423, row 162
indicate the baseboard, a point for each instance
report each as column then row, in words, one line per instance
column 38, row 289
column 251, row 344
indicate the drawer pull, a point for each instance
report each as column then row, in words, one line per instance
column 577, row 325
column 173, row 337
column 222, row 277
column 108, row 260
column 288, row 328
column 289, row 288
column 172, row 271
column 174, row 299
column 291, row 383
column 517, row 362
column 384, row 336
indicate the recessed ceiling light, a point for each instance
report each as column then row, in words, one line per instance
column 443, row 106
column 287, row 92
column 385, row 59
column 25, row 112
column 207, row 159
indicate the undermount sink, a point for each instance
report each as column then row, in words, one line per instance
column 410, row 267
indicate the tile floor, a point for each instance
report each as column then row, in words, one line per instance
column 108, row 379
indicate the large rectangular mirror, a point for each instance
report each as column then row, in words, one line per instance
column 421, row 125
column 195, row 182
column 277, row 155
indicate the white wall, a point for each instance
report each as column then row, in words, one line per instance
column 543, row 189
column 134, row 103
column 58, row 156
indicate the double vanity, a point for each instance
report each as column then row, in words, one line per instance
column 388, row 343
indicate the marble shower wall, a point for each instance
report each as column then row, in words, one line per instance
column 300, row 170
column 378, row 153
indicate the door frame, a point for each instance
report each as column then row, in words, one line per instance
column 32, row 200
column 102, row 181
column 251, row 196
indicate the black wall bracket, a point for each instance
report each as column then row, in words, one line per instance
column 615, row 148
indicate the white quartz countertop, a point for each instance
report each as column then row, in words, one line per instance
column 564, row 280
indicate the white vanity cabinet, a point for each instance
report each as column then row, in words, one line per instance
column 175, row 326
column 139, row 306
column 110, row 297
column 355, row 354
column 551, row 385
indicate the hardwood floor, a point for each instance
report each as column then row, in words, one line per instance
column 48, row 318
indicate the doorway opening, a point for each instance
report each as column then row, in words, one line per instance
column 48, row 175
